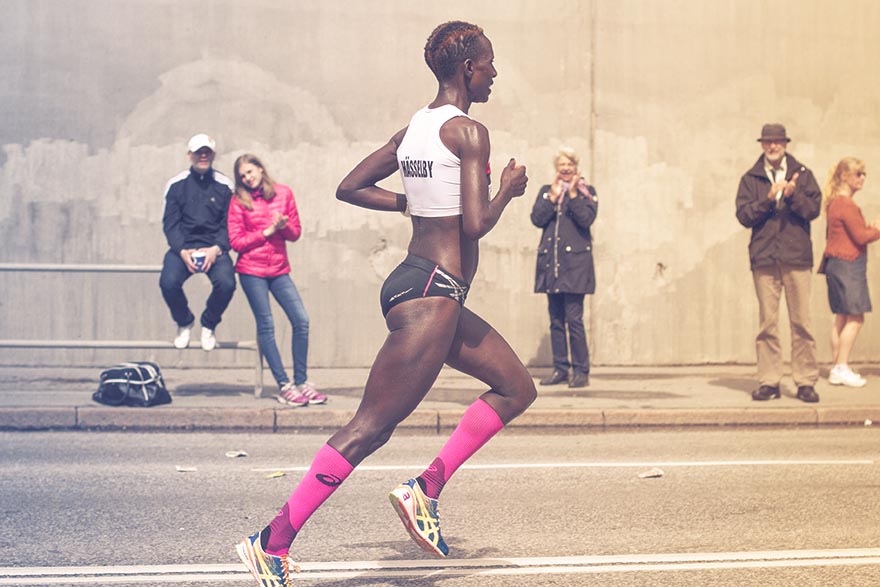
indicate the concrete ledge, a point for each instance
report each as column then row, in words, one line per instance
column 425, row 420
column 422, row 419
column 712, row 417
column 318, row 417
column 310, row 418
column 559, row 419
column 175, row 418
column 37, row 418
column 849, row 415
column 448, row 419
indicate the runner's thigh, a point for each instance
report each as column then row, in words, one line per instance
column 479, row 351
column 421, row 332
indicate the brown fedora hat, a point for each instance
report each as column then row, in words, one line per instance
column 773, row 132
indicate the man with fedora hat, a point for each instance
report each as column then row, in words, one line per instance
column 194, row 221
column 777, row 199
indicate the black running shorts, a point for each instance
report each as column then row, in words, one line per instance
column 415, row 278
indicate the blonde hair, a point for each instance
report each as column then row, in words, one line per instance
column 243, row 194
column 569, row 154
column 837, row 176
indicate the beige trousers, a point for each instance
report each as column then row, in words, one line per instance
column 769, row 283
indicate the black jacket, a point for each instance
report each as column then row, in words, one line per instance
column 196, row 207
column 780, row 231
column 565, row 253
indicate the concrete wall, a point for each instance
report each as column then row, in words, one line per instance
column 663, row 100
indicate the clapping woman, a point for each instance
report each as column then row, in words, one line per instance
column 845, row 265
column 262, row 218
column 564, row 211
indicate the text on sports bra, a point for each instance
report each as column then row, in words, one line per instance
column 416, row 168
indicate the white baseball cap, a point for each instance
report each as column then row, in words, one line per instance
column 199, row 141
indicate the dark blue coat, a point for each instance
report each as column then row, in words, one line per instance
column 565, row 253
column 196, row 208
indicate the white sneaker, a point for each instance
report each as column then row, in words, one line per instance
column 181, row 341
column 843, row 375
column 209, row 341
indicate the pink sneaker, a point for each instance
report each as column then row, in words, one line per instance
column 290, row 396
column 312, row 396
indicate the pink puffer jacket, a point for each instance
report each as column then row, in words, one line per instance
column 258, row 255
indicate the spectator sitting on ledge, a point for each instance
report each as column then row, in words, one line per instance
column 194, row 221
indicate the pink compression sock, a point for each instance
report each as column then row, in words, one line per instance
column 478, row 424
column 329, row 469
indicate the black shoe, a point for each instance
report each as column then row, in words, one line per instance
column 556, row 377
column 766, row 392
column 806, row 393
column 579, row 380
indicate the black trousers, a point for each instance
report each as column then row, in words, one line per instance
column 568, row 310
column 175, row 273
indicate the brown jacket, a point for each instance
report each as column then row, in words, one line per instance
column 780, row 231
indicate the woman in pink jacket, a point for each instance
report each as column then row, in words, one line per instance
column 262, row 218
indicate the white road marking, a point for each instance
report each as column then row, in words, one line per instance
column 598, row 465
column 223, row 573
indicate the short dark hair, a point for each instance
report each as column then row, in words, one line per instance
column 450, row 44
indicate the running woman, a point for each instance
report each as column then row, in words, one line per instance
column 443, row 157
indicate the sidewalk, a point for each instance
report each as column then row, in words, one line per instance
column 39, row 398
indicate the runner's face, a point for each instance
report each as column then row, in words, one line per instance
column 482, row 72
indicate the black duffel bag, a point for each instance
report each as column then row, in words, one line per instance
column 132, row 384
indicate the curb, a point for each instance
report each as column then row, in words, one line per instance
column 171, row 419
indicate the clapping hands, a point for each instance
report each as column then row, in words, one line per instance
column 279, row 221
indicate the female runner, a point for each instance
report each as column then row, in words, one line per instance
column 443, row 157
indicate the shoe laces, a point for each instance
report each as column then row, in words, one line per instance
column 307, row 390
column 285, row 571
column 433, row 508
column 429, row 504
column 290, row 394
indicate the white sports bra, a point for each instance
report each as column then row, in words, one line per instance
column 431, row 173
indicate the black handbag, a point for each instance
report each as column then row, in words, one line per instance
column 132, row 384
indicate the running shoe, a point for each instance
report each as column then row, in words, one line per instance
column 419, row 516
column 313, row 396
column 290, row 396
column 267, row 569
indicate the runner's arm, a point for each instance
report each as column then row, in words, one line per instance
column 359, row 186
column 479, row 213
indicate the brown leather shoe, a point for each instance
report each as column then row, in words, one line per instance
column 766, row 392
column 806, row 393
column 556, row 377
column 579, row 380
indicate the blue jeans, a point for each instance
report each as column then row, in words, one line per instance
column 174, row 273
column 257, row 291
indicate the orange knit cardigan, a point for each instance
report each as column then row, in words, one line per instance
column 848, row 234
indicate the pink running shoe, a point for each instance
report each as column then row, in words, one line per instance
column 312, row 396
column 290, row 396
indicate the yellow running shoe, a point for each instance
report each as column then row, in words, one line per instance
column 419, row 516
column 267, row 569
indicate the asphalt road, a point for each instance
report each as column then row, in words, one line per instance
column 732, row 507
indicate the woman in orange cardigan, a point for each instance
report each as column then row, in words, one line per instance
column 845, row 265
